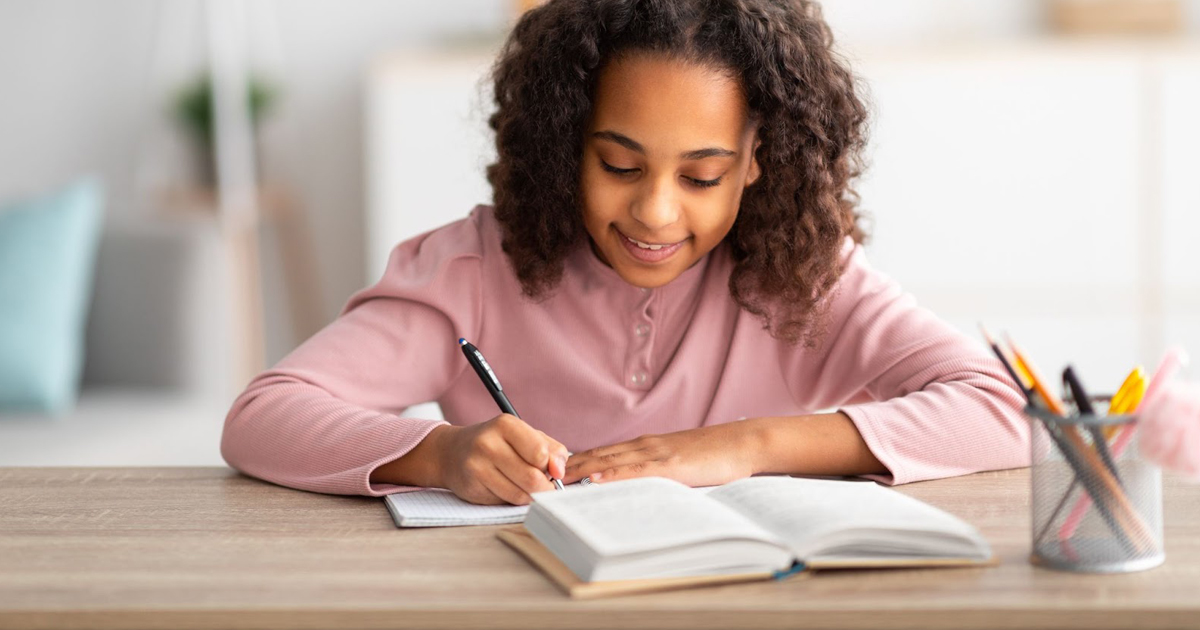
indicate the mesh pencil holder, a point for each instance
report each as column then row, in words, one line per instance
column 1096, row 503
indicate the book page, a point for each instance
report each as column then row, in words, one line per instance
column 849, row 518
column 645, row 514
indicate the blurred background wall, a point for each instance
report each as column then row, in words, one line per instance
column 86, row 85
column 366, row 87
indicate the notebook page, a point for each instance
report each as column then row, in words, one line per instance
column 441, row 508
column 645, row 514
column 809, row 512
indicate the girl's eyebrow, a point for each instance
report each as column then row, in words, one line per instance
column 632, row 145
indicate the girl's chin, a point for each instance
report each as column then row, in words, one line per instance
column 644, row 277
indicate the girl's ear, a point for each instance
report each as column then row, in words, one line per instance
column 755, row 170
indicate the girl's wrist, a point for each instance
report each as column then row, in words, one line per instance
column 435, row 455
column 785, row 444
column 821, row 444
column 756, row 444
column 421, row 466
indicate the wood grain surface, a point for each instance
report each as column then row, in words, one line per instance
column 208, row 548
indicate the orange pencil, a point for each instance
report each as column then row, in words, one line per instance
column 1053, row 402
column 1016, row 372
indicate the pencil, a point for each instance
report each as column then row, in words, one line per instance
column 1053, row 402
column 1007, row 361
column 1092, row 471
column 1127, row 397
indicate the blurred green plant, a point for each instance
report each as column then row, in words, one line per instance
column 193, row 108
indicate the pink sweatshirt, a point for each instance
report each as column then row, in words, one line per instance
column 601, row 361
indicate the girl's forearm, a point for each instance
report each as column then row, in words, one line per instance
column 823, row 444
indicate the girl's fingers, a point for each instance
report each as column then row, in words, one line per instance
column 558, row 466
column 642, row 468
column 521, row 474
column 601, row 451
column 559, row 454
column 533, row 446
column 586, row 464
column 500, row 485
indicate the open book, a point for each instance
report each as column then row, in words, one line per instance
column 653, row 533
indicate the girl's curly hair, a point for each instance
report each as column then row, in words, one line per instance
column 786, row 240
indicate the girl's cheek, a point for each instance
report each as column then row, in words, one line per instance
column 719, row 219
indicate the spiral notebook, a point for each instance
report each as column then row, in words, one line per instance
column 440, row 508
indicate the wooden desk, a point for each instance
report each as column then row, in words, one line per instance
column 207, row 548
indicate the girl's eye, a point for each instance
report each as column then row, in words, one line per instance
column 612, row 169
column 701, row 183
column 704, row 183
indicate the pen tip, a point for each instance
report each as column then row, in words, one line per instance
column 462, row 342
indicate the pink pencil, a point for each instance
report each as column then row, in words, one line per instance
column 1172, row 362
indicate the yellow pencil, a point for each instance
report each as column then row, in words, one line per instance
column 1118, row 399
column 1127, row 398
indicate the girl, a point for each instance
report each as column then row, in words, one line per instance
column 673, row 254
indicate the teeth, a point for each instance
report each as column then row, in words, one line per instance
column 642, row 245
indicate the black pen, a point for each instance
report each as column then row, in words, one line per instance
column 484, row 370
column 1084, row 404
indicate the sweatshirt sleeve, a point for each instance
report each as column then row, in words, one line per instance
column 327, row 415
column 929, row 401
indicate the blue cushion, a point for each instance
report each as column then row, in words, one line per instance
column 47, row 254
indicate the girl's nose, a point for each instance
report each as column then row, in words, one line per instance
column 658, row 207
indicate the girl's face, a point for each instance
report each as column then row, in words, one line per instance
column 667, row 153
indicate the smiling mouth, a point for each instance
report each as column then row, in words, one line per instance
column 649, row 252
column 650, row 246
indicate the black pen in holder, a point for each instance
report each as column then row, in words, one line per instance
column 1072, row 458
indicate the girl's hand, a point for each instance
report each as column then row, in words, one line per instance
column 707, row 456
column 499, row 461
